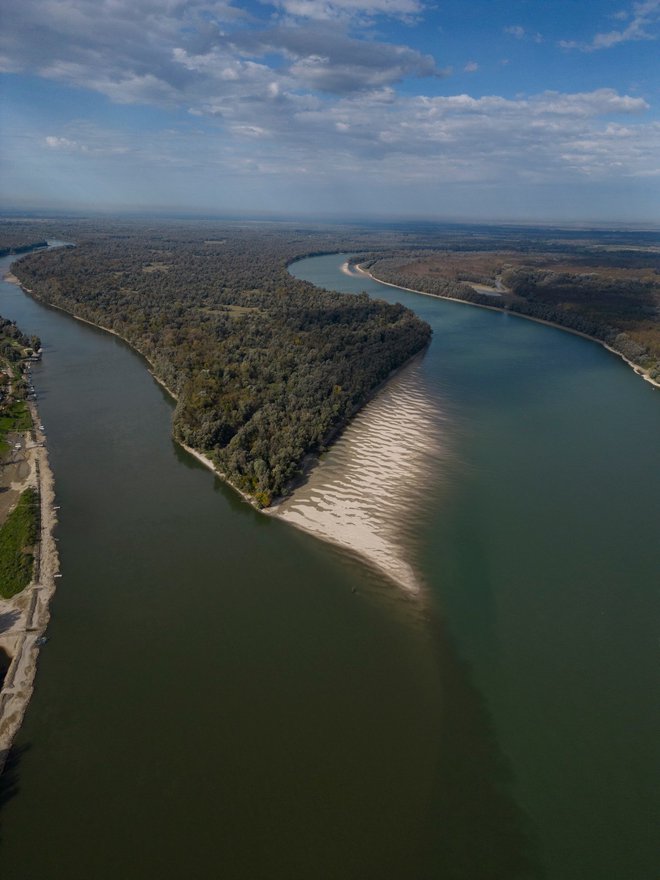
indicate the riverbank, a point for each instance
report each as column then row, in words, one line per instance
column 339, row 527
column 24, row 617
column 203, row 459
column 390, row 440
column 640, row 371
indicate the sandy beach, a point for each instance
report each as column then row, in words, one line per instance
column 362, row 494
column 346, row 269
column 365, row 494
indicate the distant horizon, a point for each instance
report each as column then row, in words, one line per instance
column 35, row 213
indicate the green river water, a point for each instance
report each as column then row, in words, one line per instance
column 225, row 696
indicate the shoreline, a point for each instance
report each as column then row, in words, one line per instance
column 203, row 459
column 640, row 371
column 387, row 452
column 28, row 612
column 275, row 510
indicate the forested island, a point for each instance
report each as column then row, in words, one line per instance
column 265, row 369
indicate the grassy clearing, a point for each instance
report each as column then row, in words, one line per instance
column 15, row 418
column 18, row 536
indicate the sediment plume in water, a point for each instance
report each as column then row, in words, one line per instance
column 366, row 494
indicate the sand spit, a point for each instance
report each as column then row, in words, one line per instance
column 366, row 492
column 635, row 367
column 346, row 269
column 487, row 289
column 23, row 619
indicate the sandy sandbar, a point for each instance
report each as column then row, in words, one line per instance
column 366, row 493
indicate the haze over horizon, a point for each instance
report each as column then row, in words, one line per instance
column 509, row 112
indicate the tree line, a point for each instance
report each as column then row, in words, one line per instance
column 265, row 368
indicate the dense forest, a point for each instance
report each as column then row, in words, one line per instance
column 265, row 368
column 608, row 291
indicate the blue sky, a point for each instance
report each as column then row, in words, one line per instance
column 522, row 110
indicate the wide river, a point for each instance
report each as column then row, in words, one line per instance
column 224, row 695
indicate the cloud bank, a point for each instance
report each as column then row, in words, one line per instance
column 312, row 87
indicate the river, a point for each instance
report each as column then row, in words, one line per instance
column 224, row 695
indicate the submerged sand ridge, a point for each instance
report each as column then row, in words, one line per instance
column 366, row 493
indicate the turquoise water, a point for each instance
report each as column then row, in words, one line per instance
column 223, row 695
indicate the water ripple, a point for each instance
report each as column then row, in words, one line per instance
column 368, row 491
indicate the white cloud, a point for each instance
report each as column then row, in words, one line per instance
column 375, row 151
column 548, row 137
column 189, row 53
column 367, row 69
column 644, row 19
column 88, row 140
column 274, row 97
column 597, row 103
column 322, row 56
column 250, row 131
column 61, row 143
column 325, row 10
column 520, row 33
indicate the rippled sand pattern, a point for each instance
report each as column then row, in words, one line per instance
column 366, row 493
